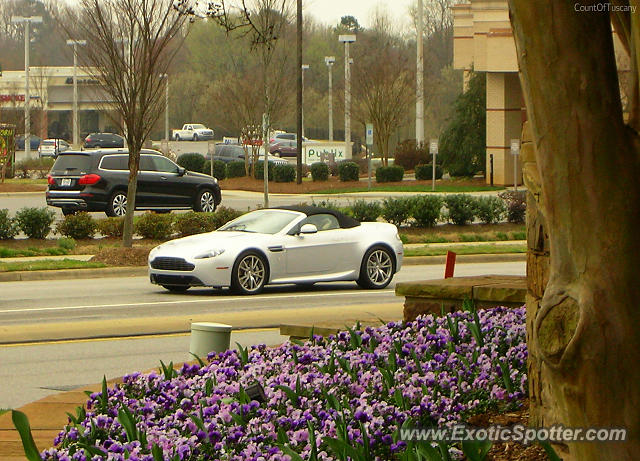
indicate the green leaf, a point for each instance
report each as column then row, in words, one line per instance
column 92, row 450
column 21, row 422
column 288, row 451
column 168, row 371
column 200, row 362
column 208, row 387
column 444, row 451
column 476, row 450
column 198, row 422
column 282, row 436
column 128, row 422
column 293, row 396
column 428, row 451
column 551, row 453
column 313, row 456
column 343, row 450
column 157, row 453
column 243, row 353
column 104, row 397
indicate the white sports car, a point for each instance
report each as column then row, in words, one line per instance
column 296, row 244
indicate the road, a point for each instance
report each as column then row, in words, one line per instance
column 129, row 306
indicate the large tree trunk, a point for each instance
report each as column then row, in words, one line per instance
column 586, row 330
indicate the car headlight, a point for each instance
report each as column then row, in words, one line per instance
column 210, row 254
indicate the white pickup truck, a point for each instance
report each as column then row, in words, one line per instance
column 192, row 132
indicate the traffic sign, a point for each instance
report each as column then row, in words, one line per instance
column 369, row 134
column 433, row 146
column 515, row 146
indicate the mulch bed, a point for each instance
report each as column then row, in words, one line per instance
column 12, row 187
column 119, row 256
column 257, row 185
column 509, row 451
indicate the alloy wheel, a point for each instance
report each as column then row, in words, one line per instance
column 207, row 202
column 251, row 273
column 379, row 267
column 119, row 204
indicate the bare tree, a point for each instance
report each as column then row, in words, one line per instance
column 263, row 22
column 131, row 45
column 383, row 83
column 40, row 78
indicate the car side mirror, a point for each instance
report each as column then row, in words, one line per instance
column 308, row 229
column 181, row 171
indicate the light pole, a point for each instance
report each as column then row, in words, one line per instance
column 329, row 60
column 166, row 106
column 346, row 39
column 419, row 79
column 27, row 21
column 304, row 67
column 75, row 44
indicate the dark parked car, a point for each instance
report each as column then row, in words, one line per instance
column 285, row 144
column 235, row 152
column 103, row 140
column 34, row 142
column 96, row 180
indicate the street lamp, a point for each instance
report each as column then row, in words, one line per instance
column 27, row 21
column 304, row 67
column 346, row 39
column 329, row 61
column 75, row 44
column 166, row 107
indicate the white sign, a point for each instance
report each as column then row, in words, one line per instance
column 369, row 134
column 515, row 146
column 433, row 146
column 313, row 152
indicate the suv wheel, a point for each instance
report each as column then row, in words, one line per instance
column 205, row 201
column 117, row 205
column 195, row 137
column 66, row 211
column 177, row 137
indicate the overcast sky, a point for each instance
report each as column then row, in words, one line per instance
column 330, row 11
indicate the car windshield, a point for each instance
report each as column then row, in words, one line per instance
column 261, row 221
column 198, row 126
column 48, row 143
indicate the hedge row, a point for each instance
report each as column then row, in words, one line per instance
column 427, row 210
column 38, row 222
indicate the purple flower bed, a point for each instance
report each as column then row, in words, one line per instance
column 345, row 396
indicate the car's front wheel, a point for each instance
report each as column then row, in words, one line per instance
column 277, row 153
column 249, row 274
column 205, row 201
column 176, row 288
column 117, row 205
column 377, row 268
column 177, row 137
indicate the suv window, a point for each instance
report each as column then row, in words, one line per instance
column 77, row 162
column 287, row 136
column 114, row 162
column 162, row 164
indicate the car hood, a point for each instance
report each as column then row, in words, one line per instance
column 197, row 244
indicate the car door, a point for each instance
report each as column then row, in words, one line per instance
column 146, row 185
column 316, row 253
column 171, row 188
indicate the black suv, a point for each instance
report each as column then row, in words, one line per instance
column 97, row 181
column 103, row 140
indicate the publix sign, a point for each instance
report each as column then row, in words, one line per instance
column 319, row 151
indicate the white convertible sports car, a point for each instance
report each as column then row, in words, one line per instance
column 296, row 244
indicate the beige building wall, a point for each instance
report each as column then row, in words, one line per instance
column 483, row 42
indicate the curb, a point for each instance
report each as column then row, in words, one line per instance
column 67, row 274
column 138, row 271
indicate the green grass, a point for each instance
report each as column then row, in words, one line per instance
column 3, row 410
column 32, row 251
column 45, row 265
column 409, row 188
column 468, row 250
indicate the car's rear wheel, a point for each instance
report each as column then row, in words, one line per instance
column 195, row 137
column 250, row 274
column 176, row 288
column 66, row 211
column 277, row 153
column 117, row 205
column 205, row 201
column 377, row 268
